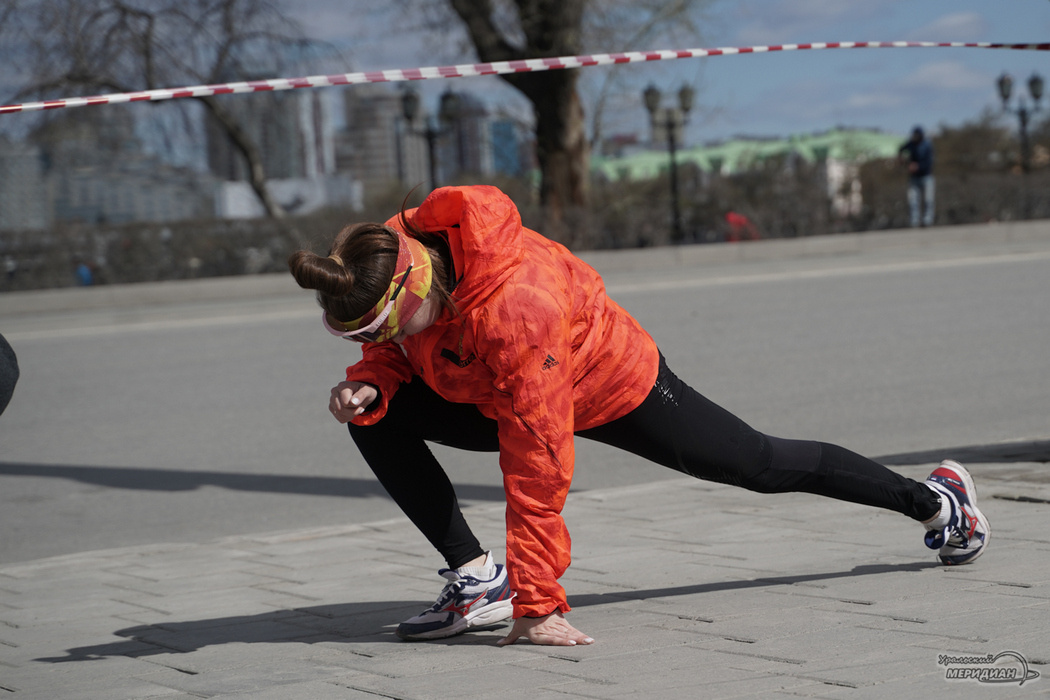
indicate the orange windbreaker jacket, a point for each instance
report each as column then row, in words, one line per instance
column 540, row 348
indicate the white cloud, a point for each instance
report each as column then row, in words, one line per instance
column 881, row 100
column 801, row 20
column 957, row 26
column 946, row 75
column 937, row 83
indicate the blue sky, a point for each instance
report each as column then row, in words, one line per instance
column 775, row 94
column 891, row 89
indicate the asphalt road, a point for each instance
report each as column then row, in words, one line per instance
column 194, row 417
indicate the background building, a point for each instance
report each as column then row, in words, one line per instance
column 290, row 128
column 838, row 153
column 375, row 147
column 468, row 148
column 296, row 140
column 24, row 203
column 94, row 169
column 383, row 151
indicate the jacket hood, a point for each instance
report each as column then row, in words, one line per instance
column 484, row 233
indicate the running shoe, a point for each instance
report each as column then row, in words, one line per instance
column 966, row 534
column 465, row 602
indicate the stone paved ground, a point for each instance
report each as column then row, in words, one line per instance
column 691, row 590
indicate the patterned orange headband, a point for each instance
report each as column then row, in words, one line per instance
column 408, row 288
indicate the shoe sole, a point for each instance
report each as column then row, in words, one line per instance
column 488, row 615
column 971, row 490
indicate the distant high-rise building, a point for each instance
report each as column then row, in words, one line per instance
column 95, row 170
column 511, row 150
column 290, row 129
column 469, row 149
column 378, row 147
column 382, row 150
column 23, row 194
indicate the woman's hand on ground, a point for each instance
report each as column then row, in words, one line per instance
column 552, row 630
column 350, row 399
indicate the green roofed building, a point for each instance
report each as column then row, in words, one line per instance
column 842, row 151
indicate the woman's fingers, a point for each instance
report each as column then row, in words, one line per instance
column 552, row 630
column 350, row 399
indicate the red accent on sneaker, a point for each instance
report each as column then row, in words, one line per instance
column 951, row 475
column 465, row 608
column 971, row 521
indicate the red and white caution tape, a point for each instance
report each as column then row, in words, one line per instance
column 476, row 69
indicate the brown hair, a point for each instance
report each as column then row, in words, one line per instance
column 355, row 275
column 360, row 265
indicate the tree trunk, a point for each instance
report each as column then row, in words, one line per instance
column 551, row 28
column 561, row 141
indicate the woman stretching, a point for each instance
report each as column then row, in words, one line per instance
column 480, row 334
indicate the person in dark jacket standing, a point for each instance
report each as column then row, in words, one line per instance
column 917, row 154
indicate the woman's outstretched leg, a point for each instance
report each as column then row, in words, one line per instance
column 677, row 427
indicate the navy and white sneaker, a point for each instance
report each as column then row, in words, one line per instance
column 963, row 535
column 465, row 602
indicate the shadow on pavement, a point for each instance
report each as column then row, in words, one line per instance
column 1020, row 451
column 373, row 622
column 173, row 480
column 580, row 601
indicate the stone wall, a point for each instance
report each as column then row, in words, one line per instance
column 82, row 254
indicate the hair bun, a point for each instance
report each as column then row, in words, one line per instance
column 327, row 275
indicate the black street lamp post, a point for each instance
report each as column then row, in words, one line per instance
column 671, row 120
column 448, row 111
column 1035, row 89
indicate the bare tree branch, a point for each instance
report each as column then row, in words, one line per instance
column 246, row 147
column 83, row 46
column 488, row 41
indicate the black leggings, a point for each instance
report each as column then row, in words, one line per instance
column 675, row 426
